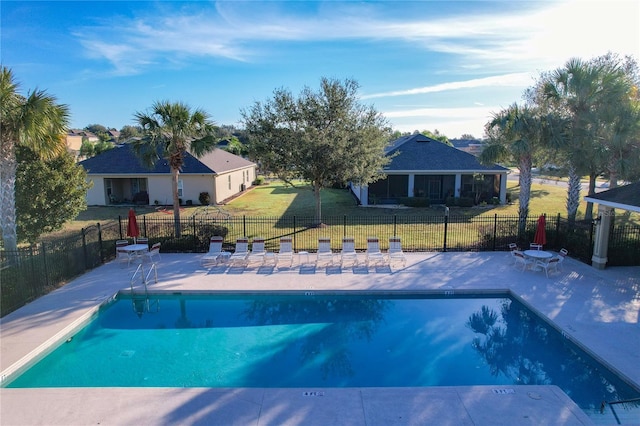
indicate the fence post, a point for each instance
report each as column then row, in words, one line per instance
column 120, row 227
column 144, row 226
column 344, row 225
column 295, row 235
column 100, row 243
column 495, row 229
column 446, row 223
column 557, row 242
column 244, row 225
column 44, row 263
column 395, row 222
column 84, row 248
column 195, row 244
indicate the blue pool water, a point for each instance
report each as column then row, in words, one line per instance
column 323, row 340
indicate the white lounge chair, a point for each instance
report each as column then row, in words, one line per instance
column 348, row 255
column 395, row 253
column 153, row 252
column 258, row 252
column 548, row 265
column 324, row 255
column 374, row 256
column 285, row 253
column 561, row 256
column 239, row 256
column 522, row 260
column 123, row 256
column 214, row 254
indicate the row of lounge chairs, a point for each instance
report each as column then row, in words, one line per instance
column 325, row 256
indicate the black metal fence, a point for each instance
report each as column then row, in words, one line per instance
column 28, row 273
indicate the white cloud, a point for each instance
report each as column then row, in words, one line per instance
column 507, row 80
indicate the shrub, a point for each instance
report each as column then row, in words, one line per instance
column 495, row 201
column 415, row 201
column 465, row 202
column 204, row 198
column 259, row 180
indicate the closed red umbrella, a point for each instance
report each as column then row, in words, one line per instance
column 132, row 226
column 541, row 232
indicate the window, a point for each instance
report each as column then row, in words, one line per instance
column 179, row 187
column 229, row 179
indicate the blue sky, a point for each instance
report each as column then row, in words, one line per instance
column 423, row 64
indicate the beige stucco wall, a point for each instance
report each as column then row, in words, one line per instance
column 95, row 194
column 229, row 184
column 159, row 186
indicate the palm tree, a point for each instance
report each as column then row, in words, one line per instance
column 592, row 96
column 169, row 131
column 36, row 122
column 515, row 133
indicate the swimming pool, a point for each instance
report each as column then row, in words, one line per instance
column 323, row 340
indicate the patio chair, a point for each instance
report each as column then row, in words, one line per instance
column 373, row 255
column 122, row 256
column 153, row 252
column 548, row 265
column 324, row 254
column 561, row 255
column 215, row 251
column 257, row 252
column 285, row 253
column 142, row 240
column 512, row 247
column 348, row 255
column 522, row 260
column 239, row 256
column 534, row 246
column 395, row 253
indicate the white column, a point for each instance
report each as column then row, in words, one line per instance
column 601, row 243
column 412, row 184
column 458, row 184
column 364, row 195
column 503, row 188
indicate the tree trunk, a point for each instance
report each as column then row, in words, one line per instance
column 316, row 194
column 525, row 193
column 588, row 214
column 176, row 202
column 573, row 195
column 8, row 166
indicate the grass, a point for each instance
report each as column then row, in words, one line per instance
column 277, row 199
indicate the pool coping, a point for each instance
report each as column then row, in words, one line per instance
column 24, row 331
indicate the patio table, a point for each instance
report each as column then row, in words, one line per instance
column 537, row 255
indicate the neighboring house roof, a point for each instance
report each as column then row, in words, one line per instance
column 421, row 153
column 122, row 160
column 623, row 197
column 465, row 143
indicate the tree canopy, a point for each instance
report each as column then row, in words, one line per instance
column 323, row 137
column 48, row 193
column 36, row 121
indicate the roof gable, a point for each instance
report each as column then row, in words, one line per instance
column 421, row 153
column 122, row 160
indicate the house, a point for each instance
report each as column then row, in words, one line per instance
column 423, row 167
column 74, row 143
column 118, row 176
column 472, row 146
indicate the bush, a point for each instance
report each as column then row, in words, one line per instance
column 466, row 201
column 204, row 198
column 495, row 201
column 415, row 201
column 450, row 201
column 259, row 181
column 509, row 197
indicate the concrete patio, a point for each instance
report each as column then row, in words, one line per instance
column 598, row 308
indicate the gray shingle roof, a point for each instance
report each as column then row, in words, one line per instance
column 626, row 197
column 122, row 160
column 421, row 153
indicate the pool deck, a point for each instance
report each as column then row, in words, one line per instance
column 599, row 309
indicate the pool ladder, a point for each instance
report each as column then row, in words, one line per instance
column 141, row 302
